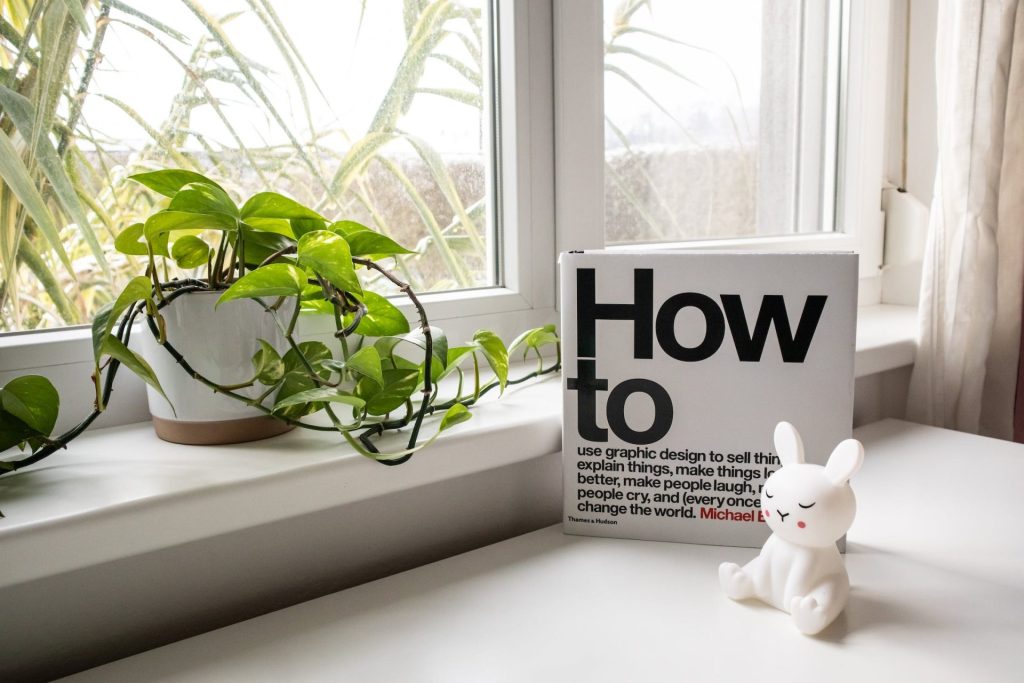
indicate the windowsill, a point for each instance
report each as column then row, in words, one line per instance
column 886, row 338
column 925, row 575
column 121, row 492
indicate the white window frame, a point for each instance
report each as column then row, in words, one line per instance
column 551, row 152
column 579, row 146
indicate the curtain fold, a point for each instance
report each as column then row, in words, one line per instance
column 969, row 341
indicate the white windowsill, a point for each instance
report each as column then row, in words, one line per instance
column 120, row 492
column 886, row 338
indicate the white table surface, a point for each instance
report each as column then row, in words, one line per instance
column 936, row 560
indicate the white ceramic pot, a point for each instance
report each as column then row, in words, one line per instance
column 219, row 344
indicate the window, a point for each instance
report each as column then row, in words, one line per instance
column 719, row 119
column 826, row 194
column 532, row 144
column 377, row 112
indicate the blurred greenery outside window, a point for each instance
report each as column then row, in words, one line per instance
column 720, row 118
column 371, row 111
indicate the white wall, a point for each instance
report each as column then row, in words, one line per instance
column 61, row 624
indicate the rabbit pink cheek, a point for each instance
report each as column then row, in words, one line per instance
column 801, row 525
column 767, row 514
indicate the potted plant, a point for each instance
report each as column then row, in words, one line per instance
column 221, row 356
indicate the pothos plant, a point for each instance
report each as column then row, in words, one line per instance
column 382, row 377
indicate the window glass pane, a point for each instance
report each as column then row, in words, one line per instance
column 370, row 111
column 717, row 119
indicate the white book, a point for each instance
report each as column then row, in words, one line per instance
column 678, row 366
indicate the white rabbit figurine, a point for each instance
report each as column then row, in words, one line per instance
column 808, row 508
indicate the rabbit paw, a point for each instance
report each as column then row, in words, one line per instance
column 809, row 616
column 735, row 582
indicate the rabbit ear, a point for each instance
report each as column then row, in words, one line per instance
column 844, row 462
column 788, row 445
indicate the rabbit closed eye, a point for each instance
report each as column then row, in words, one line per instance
column 806, row 504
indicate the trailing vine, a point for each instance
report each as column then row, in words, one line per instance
column 275, row 251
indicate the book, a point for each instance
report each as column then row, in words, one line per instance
column 677, row 367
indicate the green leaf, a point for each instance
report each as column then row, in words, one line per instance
column 268, row 364
column 137, row 289
column 455, row 356
column 400, row 363
column 33, row 401
column 438, row 339
column 313, row 292
column 295, row 383
column 439, row 344
column 382, row 317
column 113, row 347
column 534, row 339
column 13, row 432
column 366, row 362
column 274, row 205
column 346, row 228
column 317, row 307
column 300, row 226
column 23, row 113
column 363, row 241
column 297, row 379
column 19, row 180
column 190, row 251
column 520, row 340
column 328, row 255
column 375, row 244
column 260, row 244
column 169, row 181
column 320, row 395
column 315, row 353
column 457, row 414
column 276, row 279
column 396, row 389
column 203, row 198
column 128, row 241
column 331, row 364
column 166, row 221
column 495, row 352
column 76, row 11
column 275, row 225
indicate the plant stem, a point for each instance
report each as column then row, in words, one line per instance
column 476, row 377
column 362, row 444
column 427, row 338
column 291, row 324
column 124, row 332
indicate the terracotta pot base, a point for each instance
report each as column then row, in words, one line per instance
column 219, row 432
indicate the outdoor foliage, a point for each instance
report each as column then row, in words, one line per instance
column 685, row 185
column 66, row 195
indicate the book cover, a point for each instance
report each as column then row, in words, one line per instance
column 678, row 366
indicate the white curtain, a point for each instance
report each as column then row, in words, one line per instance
column 969, row 340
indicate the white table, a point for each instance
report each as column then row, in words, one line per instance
column 936, row 558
